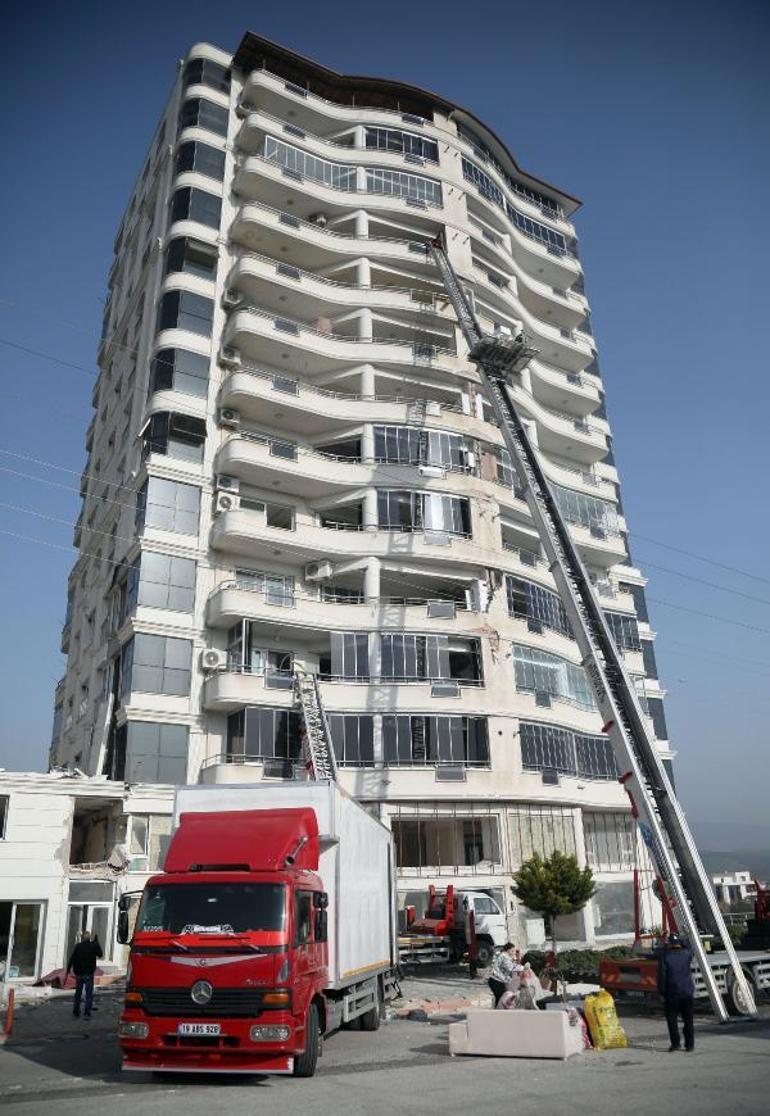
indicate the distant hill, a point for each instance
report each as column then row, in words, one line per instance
column 734, row 860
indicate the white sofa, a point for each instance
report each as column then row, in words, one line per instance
column 515, row 1034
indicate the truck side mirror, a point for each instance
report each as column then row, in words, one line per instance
column 320, row 900
column 123, row 934
column 321, row 926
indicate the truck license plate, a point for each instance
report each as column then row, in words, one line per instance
column 197, row 1029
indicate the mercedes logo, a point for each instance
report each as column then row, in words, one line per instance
column 201, row 992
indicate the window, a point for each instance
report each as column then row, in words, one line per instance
column 485, row 185
column 554, row 241
column 542, row 673
column 258, row 732
column 185, row 310
column 428, row 844
column 640, row 600
column 587, row 511
column 202, row 71
column 277, row 588
column 403, row 185
column 181, row 436
column 613, row 909
column 423, row 511
column 551, row 748
column 415, row 740
column 298, row 162
column 244, row 652
column 191, row 204
column 199, row 157
column 150, row 833
column 409, row 445
column 20, row 927
column 625, row 631
column 192, row 257
column 200, row 113
column 156, row 753
column 168, row 505
column 540, row 607
column 648, row 654
column 409, row 658
column 353, row 739
column 541, row 829
column 655, row 709
column 4, row 799
column 349, row 657
column 407, row 143
column 156, row 665
column 610, row 841
column 160, row 581
column 179, row 370
column 303, row 917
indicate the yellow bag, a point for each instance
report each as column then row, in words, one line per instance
column 603, row 1023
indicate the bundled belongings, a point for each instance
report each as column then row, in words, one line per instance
column 603, row 1023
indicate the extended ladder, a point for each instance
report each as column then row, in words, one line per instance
column 320, row 760
column 654, row 805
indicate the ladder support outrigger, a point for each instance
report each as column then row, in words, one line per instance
column 654, row 805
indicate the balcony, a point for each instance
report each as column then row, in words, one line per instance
column 583, row 440
column 554, row 387
column 296, row 471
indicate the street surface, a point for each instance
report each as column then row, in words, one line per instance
column 70, row 1067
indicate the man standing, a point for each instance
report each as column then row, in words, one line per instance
column 82, row 963
column 676, row 987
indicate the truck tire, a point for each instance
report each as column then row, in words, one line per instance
column 485, row 951
column 305, row 1063
column 736, row 1001
column 370, row 1020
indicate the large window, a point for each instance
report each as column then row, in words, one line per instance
column 423, row 511
column 655, row 709
column 403, row 185
column 246, row 652
column 185, row 310
column 410, row 445
column 191, row 204
column 610, row 841
column 417, row 740
column 625, row 631
column 200, row 157
column 180, row 436
column 349, row 656
column 407, row 143
column 339, row 176
column 156, row 753
column 613, row 908
column 555, row 241
column 550, row 677
column 202, row 71
column 20, row 926
column 277, row 588
column 168, row 505
column 263, row 733
column 470, row 844
column 156, row 664
column 191, row 256
column 541, row 608
column 197, row 112
column 180, row 370
column 160, row 581
column 600, row 516
column 353, row 739
column 183, row 908
column 408, row 658
column 552, row 748
column 542, row 830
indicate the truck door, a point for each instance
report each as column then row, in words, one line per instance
column 308, row 954
column 490, row 920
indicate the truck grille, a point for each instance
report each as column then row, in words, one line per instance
column 224, row 1002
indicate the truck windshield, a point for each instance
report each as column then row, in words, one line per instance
column 212, row 908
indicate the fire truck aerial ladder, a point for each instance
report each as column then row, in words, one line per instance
column 654, row 805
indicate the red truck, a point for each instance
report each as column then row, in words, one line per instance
column 272, row 924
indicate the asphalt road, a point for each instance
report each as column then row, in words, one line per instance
column 65, row 1066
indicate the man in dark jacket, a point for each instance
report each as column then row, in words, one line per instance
column 676, row 987
column 82, row 963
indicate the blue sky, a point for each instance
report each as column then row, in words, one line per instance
column 655, row 114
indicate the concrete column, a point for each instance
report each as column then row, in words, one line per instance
column 360, row 134
column 361, row 179
column 367, row 380
column 362, row 223
column 365, row 326
column 372, row 579
column 374, row 655
column 371, row 517
column 526, row 379
column 363, row 272
column 367, row 442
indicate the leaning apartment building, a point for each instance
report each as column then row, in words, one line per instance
column 291, row 466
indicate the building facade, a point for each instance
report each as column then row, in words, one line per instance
column 292, row 466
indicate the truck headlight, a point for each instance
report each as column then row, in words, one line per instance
column 268, row 1032
column 133, row 1030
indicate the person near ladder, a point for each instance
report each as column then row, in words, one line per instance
column 676, row 987
column 82, row 963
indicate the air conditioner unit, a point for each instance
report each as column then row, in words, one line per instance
column 228, row 416
column 432, row 471
column 213, row 659
column 230, row 357
column 318, row 571
column 231, row 298
column 433, row 409
column 319, row 219
column 230, row 484
column 225, row 502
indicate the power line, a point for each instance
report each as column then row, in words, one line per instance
column 702, row 581
column 701, row 558
column 48, row 356
column 62, row 468
column 710, row 616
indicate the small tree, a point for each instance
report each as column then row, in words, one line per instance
column 554, row 886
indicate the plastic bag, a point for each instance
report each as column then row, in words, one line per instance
column 603, row 1023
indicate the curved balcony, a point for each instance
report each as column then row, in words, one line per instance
column 533, row 256
column 295, row 471
column 581, row 440
column 561, row 390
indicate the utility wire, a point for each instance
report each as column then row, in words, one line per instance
column 701, row 558
column 702, row 581
column 710, row 616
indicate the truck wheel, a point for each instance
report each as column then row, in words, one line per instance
column 485, row 951
column 737, row 1004
column 370, row 1020
column 305, row 1063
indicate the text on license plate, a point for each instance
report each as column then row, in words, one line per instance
column 197, row 1029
